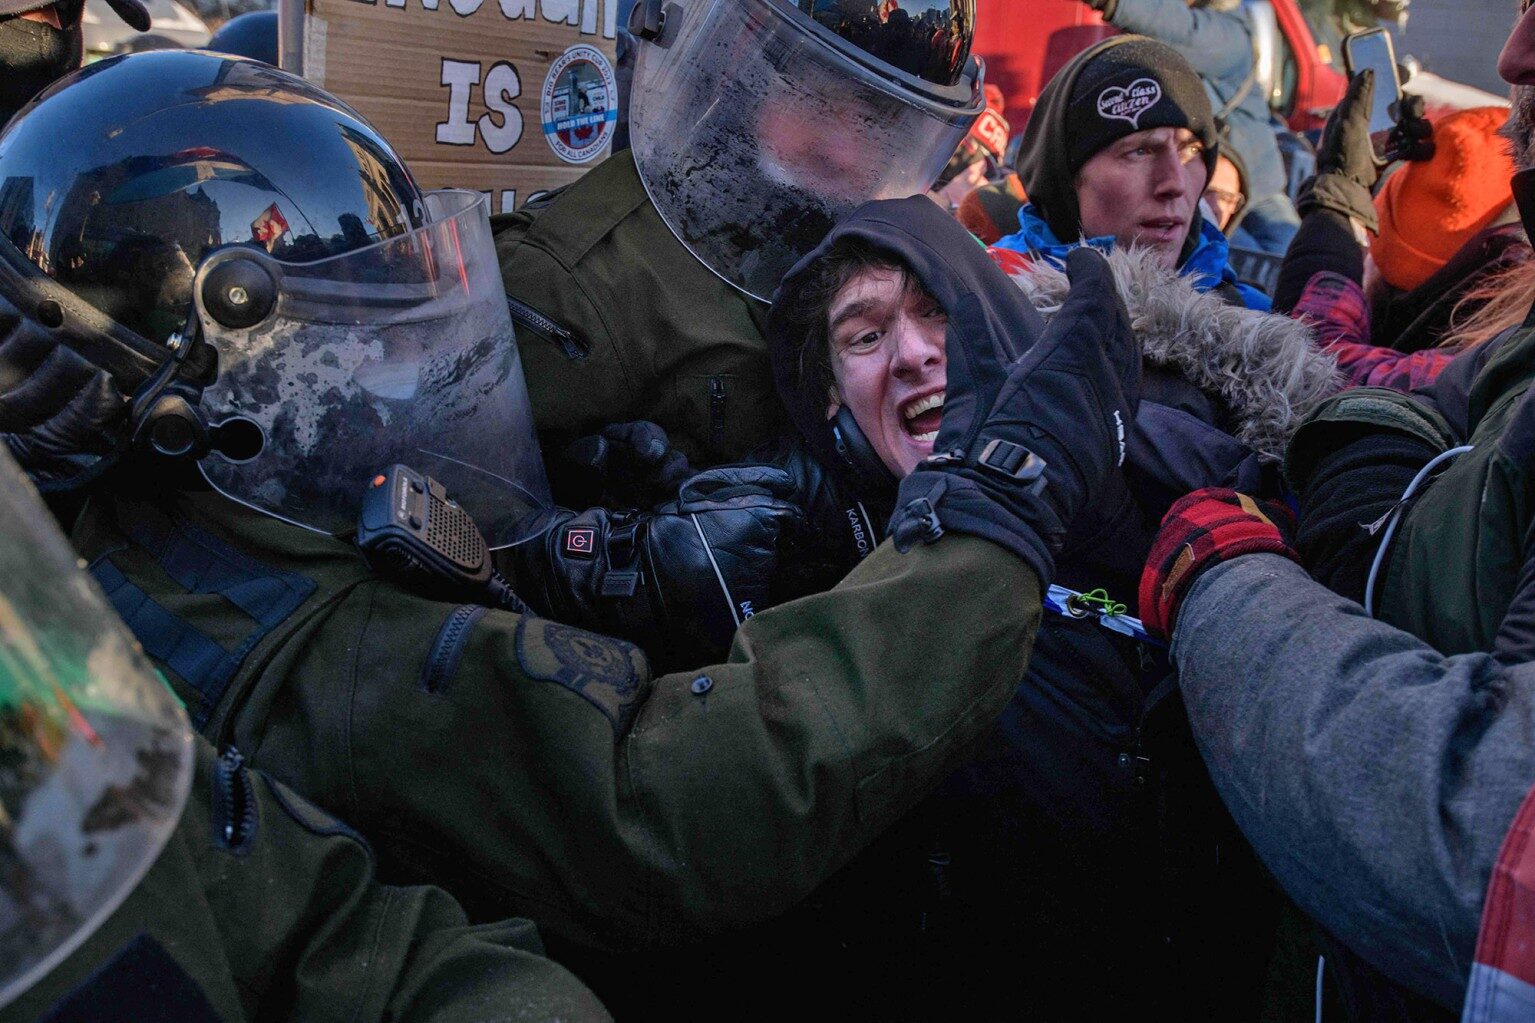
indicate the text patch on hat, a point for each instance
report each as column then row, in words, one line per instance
column 1130, row 102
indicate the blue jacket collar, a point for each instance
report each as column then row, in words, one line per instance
column 1208, row 266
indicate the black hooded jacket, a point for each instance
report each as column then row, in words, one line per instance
column 1083, row 840
column 948, row 267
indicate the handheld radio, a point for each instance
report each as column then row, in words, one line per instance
column 410, row 531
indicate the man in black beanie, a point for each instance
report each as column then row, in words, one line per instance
column 41, row 42
column 1119, row 151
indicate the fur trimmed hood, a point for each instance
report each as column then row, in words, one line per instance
column 1265, row 367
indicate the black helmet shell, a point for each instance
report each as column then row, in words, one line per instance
column 118, row 180
column 252, row 34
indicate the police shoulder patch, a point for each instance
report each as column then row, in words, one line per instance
column 605, row 672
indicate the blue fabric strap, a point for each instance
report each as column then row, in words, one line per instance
column 203, row 564
column 205, row 665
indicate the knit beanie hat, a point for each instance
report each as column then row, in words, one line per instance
column 1429, row 210
column 1121, row 86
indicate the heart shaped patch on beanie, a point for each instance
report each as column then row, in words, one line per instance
column 1129, row 102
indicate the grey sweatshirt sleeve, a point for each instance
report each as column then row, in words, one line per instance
column 1374, row 776
column 1217, row 43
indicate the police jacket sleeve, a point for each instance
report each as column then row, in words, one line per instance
column 262, row 906
column 542, row 769
column 1375, row 777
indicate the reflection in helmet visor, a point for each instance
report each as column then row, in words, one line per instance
column 755, row 131
column 928, row 39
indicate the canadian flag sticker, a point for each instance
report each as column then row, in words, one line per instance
column 269, row 226
column 1130, row 102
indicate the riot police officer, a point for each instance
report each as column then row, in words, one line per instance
column 755, row 127
column 144, row 877
column 236, row 285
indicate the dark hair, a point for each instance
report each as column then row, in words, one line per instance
column 807, row 309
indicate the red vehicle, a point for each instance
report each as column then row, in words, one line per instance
column 1026, row 41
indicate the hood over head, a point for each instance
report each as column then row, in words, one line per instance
column 938, row 252
column 1120, row 86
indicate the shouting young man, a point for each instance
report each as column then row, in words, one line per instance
column 1081, row 846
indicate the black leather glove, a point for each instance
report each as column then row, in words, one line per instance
column 677, row 580
column 1023, row 448
column 840, row 527
column 1346, row 165
column 1412, row 138
column 626, row 465
column 62, row 418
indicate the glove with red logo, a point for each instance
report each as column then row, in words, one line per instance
column 1200, row 531
column 676, row 580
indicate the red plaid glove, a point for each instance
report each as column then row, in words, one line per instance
column 1202, row 530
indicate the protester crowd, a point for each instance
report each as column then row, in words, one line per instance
column 825, row 561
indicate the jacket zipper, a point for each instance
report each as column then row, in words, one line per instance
column 717, row 411
column 442, row 663
column 234, row 803
column 526, row 316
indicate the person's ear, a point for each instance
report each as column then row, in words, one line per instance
column 833, row 403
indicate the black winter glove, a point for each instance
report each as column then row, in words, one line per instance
column 1023, row 448
column 678, row 580
column 1412, row 137
column 61, row 417
column 842, row 526
column 1346, row 165
column 627, row 465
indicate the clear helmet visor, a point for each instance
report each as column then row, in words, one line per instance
column 95, row 751
column 755, row 130
column 402, row 351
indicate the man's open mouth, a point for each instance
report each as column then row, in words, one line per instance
column 921, row 416
column 1162, row 228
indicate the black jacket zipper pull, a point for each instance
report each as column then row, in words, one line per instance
column 524, row 315
column 717, row 411
column 234, row 803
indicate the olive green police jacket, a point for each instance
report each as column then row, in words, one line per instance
column 537, row 770
column 639, row 328
column 280, row 918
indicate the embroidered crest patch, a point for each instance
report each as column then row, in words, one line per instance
column 605, row 672
column 1128, row 103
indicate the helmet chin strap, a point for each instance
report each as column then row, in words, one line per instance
column 162, row 418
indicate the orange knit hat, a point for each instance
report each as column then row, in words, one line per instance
column 1429, row 210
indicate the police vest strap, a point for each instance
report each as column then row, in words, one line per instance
column 198, row 563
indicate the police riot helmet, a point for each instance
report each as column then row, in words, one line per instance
column 95, row 751
column 260, row 273
column 252, row 34
column 758, row 124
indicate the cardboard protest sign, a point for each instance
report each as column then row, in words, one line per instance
column 508, row 97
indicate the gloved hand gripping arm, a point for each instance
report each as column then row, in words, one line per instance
column 678, row 579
